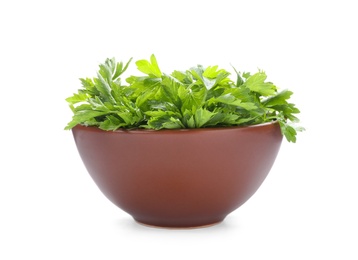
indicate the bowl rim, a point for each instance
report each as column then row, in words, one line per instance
column 179, row 130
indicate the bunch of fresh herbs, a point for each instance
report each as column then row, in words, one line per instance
column 199, row 97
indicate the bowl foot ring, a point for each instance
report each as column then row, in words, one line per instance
column 179, row 227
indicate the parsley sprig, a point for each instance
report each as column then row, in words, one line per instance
column 196, row 98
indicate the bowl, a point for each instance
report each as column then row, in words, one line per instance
column 179, row 178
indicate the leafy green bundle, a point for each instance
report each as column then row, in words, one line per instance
column 197, row 98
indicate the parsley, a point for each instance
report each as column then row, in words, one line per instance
column 196, row 98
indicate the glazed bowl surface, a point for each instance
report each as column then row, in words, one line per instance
column 179, row 178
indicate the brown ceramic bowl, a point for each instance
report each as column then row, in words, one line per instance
column 179, row 178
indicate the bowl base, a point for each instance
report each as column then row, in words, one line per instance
column 179, row 227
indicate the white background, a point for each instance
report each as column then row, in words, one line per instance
column 51, row 209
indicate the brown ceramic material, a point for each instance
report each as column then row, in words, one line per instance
column 179, row 178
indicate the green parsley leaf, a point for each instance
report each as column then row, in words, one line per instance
column 256, row 83
column 196, row 98
column 149, row 67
